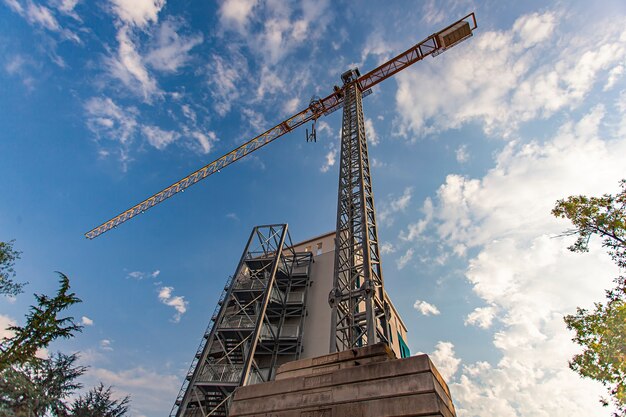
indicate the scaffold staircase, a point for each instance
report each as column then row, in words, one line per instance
column 257, row 325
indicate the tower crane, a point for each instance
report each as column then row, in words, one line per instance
column 359, row 310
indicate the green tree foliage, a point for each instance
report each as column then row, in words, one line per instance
column 36, row 387
column 42, row 326
column 98, row 402
column 601, row 216
column 602, row 331
column 39, row 386
column 8, row 256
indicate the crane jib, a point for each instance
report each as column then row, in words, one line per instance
column 432, row 45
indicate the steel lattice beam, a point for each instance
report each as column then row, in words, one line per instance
column 357, row 299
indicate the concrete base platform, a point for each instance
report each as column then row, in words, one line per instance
column 365, row 382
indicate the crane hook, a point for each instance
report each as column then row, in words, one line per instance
column 313, row 136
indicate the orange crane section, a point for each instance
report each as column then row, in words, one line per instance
column 432, row 45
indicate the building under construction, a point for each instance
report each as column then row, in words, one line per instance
column 274, row 310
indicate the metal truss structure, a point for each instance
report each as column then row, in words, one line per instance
column 360, row 312
column 257, row 325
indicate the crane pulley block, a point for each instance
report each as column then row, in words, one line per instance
column 350, row 76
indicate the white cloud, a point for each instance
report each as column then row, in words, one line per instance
column 376, row 46
column 138, row 12
column 18, row 65
column 105, row 344
column 86, row 321
column 178, row 302
column 331, row 158
column 280, row 27
column 474, row 210
column 431, row 13
column 255, row 119
column 614, row 75
column 415, row 230
column 236, row 13
column 461, row 154
column 205, row 140
column 534, row 28
column 171, row 50
column 189, row 113
column 42, row 16
column 370, row 132
column 402, row 202
column 224, row 78
column 67, row 7
column 445, row 360
column 114, row 123
column 158, row 137
column 270, row 83
column 128, row 67
column 426, row 308
column 621, row 105
column 387, row 247
column 503, row 78
column 107, row 118
column 15, row 6
column 323, row 126
column 139, row 275
column 291, row 106
column 524, row 274
column 394, row 205
column 5, row 322
column 481, row 317
column 405, row 259
column 39, row 15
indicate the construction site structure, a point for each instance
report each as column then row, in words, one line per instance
column 256, row 329
column 272, row 311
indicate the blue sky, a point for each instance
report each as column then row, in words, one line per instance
column 105, row 103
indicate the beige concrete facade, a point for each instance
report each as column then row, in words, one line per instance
column 316, row 340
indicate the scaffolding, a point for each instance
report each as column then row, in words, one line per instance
column 257, row 324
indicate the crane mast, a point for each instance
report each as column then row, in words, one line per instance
column 359, row 312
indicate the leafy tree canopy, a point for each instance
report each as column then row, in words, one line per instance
column 39, row 386
column 602, row 331
column 42, row 326
column 8, row 256
column 32, row 386
column 600, row 216
column 99, row 402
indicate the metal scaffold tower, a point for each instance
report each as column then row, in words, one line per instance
column 257, row 325
column 359, row 311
